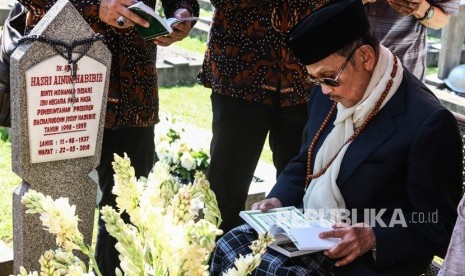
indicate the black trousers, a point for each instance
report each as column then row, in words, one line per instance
column 138, row 144
column 240, row 129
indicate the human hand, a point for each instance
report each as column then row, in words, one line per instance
column 180, row 30
column 267, row 204
column 405, row 7
column 368, row 1
column 355, row 241
column 111, row 10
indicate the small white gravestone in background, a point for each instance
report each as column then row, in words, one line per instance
column 57, row 125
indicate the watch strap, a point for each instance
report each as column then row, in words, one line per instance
column 428, row 11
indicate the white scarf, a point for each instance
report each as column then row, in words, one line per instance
column 323, row 192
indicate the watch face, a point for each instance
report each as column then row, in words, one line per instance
column 430, row 13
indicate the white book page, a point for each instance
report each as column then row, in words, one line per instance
column 284, row 217
column 279, row 233
column 172, row 20
column 307, row 238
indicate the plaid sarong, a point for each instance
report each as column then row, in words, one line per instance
column 238, row 240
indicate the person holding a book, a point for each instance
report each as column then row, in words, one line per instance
column 259, row 88
column 379, row 149
column 132, row 105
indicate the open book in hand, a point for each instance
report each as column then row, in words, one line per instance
column 295, row 235
column 158, row 25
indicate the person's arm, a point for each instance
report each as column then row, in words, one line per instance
column 418, row 9
column 356, row 240
column 434, row 188
column 437, row 21
column 93, row 11
column 178, row 9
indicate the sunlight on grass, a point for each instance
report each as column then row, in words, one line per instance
column 438, row 260
column 8, row 182
column 193, row 44
column 432, row 71
column 205, row 13
column 192, row 105
column 433, row 39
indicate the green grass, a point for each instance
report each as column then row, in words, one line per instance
column 193, row 44
column 432, row 71
column 433, row 39
column 192, row 105
column 4, row 134
column 205, row 13
column 8, row 182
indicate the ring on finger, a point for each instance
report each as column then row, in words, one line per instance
column 120, row 21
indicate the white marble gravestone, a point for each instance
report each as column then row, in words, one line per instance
column 57, row 126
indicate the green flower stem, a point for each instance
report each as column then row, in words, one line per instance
column 94, row 262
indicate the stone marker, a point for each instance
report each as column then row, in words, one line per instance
column 453, row 35
column 176, row 66
column 57, row 125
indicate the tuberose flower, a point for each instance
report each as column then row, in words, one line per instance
column 173, row 226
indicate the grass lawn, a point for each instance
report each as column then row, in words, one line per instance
column 192, row 105
column 192, row 44
column 8, row 182
column 432, row 71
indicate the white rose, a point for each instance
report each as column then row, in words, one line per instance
column 187, row 161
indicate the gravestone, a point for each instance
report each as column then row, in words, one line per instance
column 57, row 125
column 176, row 66
column 453, row 35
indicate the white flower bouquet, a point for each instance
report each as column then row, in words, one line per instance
column 184, row 161
column 172, row 227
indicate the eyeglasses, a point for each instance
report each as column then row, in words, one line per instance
column 330, row 81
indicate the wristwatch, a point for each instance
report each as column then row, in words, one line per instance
column 428, row 14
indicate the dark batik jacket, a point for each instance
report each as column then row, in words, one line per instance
column 247, row 56
column 133, row 93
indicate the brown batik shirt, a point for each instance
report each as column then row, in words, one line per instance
column 133, row 92
column 247, row 55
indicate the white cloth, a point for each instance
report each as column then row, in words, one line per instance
column 455, row 258
column 323, row 192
